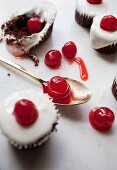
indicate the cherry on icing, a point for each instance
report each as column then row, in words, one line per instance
column 53, row 58
column 34, row 25
column 69, row 50
column 109, row 23
column 94, row 1
column 25, row 112
column 101, row 118
column 58, row 89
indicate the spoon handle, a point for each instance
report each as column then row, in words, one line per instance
column 20, row 68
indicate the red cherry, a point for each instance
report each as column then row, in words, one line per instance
column 94, row 1
column 109, row 23
column 53, row 58
column 58, row 84
column 69, row 50
column 34, row 25
column 25, row 112
column 58, row 89
column 101, row 118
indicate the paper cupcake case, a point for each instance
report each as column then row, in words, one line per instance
column 31, row 146
column 108, row 49
column 40, row 141
column 83, row 19
column 114, row 88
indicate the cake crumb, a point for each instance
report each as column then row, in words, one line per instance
column 1, row 39
column 8, row 74
column 34, row 58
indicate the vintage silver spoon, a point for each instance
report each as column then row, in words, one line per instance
column 81, row 93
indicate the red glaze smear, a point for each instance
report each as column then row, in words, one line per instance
column 82, row 67
column 19, row 57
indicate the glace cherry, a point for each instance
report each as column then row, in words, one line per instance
column 25, row 112
column 94, row 1
column 53, row 58
column 58, row 89
column 69, row 50
column 34, row 25
column 109, row 23
column 101, row 118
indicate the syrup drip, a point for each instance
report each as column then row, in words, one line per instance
column 19, row 57
column 32, row 56
column 82, row 67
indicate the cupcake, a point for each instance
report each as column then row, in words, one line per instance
column 28, row 28
column 103, row 33
column 27, row 118
column 114, row 87
column 87, row 9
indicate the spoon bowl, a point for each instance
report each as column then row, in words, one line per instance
column 80, row 93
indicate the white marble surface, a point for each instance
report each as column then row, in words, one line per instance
column 76, row 145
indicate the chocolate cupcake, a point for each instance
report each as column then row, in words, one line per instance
column 103, row 33
column 28, row 118
column 114, row 87
column 28, row 28
column 87, row 9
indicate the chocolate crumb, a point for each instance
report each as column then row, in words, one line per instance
column 54, row 127
column 9, row 41
column 34, row 58
column 8, row 74
column 1, row 39
column 2, row 27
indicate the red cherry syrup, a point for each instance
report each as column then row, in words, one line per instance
column 69, row 50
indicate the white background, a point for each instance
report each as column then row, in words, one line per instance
column 76, row 145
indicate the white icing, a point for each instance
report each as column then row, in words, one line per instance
column 100, row 38
column 43, row 125
column 47, row 12
column 85, row 8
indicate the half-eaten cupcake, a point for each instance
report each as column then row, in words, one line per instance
column 28, row 28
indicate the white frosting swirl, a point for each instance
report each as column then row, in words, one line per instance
column 43, row 125
column 85, row 8
column 100, row 38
